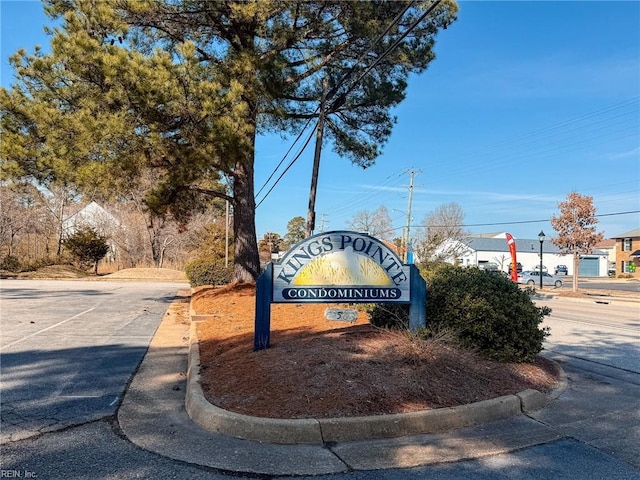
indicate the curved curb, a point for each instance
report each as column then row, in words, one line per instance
column 328, row 430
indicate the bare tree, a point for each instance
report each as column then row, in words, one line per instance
column 576, row 227
column 12, row 220
column 59, row 198
column 501, row 260
column 205, row 237
column 443, row 234
column 27, row 226
column 377, row 224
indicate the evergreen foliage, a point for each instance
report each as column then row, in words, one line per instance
column 295, row 231
column 182, row 88
column 481, row 310
column 208, row 271
column 87, row 246
column 10, row 263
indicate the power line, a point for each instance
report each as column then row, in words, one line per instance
column 554, row 127
column 390, row 49
column 554, row 139
column 495, row 224
column 283, row 158
column 365, row 197
column 333, row 91
column 288, row 166
column 346, row 76
column 366, row 72
column 531, row 221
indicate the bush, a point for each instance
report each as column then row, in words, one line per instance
column 485, row 311
column 37, row 264
column 481, row 310
column 87, row 246
column 10, row 264
column 208, row 271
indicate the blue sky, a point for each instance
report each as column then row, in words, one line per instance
column 525, row 102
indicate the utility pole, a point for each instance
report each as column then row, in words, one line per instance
column 322, row 221
column 405, row 252
column 311, row 214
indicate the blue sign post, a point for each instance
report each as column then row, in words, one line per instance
column 338, row 267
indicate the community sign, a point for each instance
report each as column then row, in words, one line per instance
column 338, row 267
column 341, row 267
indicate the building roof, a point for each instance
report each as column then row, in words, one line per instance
column 630, row 234
column 488, row 235
column 500, row 245
column 607, row 243
column 522, row 245
column 92, row 215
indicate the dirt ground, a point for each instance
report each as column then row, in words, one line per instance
column 317, row 368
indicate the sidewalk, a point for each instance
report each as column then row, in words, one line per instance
column 153, row 416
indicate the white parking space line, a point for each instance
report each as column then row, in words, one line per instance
column 45, row 329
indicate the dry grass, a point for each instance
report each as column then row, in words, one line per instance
column 70, row 272
column 318, row 368
column 164, row 274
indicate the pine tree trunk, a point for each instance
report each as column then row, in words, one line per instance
column 247, row 262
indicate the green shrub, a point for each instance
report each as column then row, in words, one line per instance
column 10, row 264
column 208, row 271
column 87, row 246
column 481, row 310
column 485, row 311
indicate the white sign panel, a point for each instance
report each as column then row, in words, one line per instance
column 341, row 266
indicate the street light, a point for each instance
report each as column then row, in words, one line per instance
column 541, row 238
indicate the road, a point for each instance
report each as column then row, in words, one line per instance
column 604, row 284
column 63, row 376
column 603, row 333
column 68, row 349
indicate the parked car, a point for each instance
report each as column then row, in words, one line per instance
column 533, row 278
column 518, row 267
column 489, row 266
column 561, row 270
column 537, row 267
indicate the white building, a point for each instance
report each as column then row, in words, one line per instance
column 96, row 217
column 480, row 250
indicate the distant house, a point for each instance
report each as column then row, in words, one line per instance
column 608, row 245
column 487, row 249
column 628, row 253
column 96, row 217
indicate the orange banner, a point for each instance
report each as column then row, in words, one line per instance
column 512, row 250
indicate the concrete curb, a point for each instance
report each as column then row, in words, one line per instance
column 323, row 431
column 218, row 420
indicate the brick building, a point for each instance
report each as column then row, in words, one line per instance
column 628, row 253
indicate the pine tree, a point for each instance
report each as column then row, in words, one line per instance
column 184, row 87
